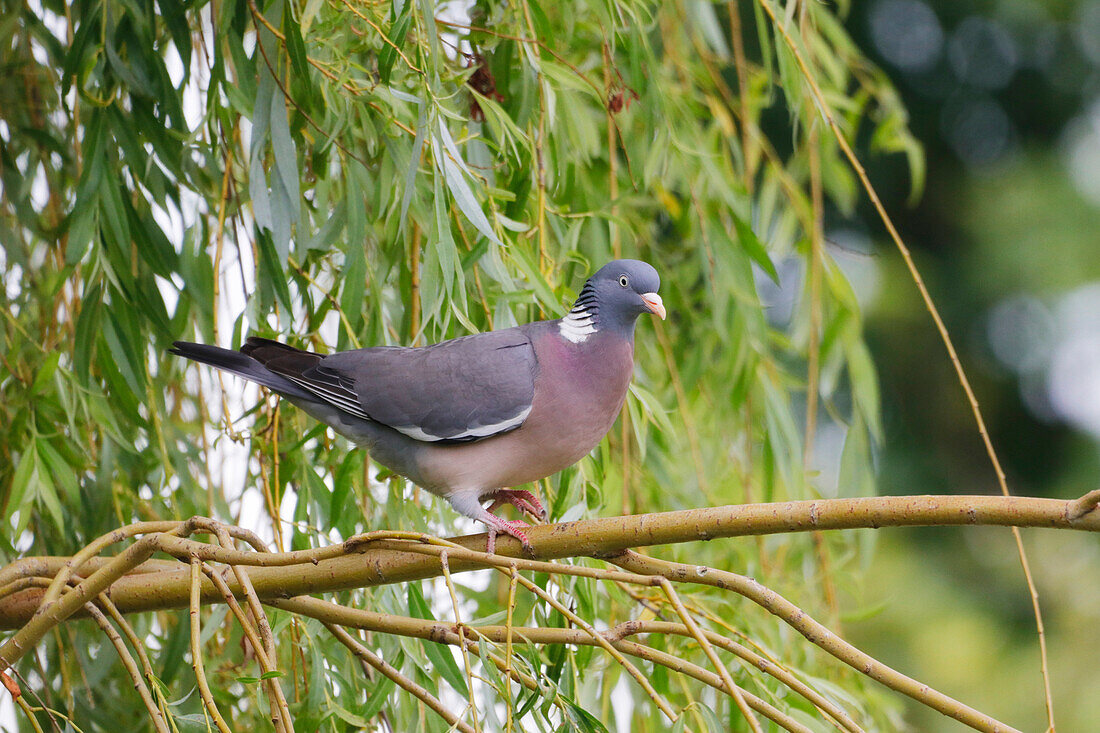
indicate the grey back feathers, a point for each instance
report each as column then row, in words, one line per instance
column 464, row 389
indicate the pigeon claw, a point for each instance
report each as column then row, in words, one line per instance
column 513, row 528
column 521, row 499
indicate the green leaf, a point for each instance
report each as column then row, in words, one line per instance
column 43, row 379
column 61, row 472
column 754, row 247
column 272, row 273
column 579, row 719
column 380, row 696
column 46, row 492
column 453, row 167
column 24, row 477
column 414, row 159
column 439, row 654
column 299, row 61
column 174, row 15
column 127, row 358
column 444, row 243
column 397, row 32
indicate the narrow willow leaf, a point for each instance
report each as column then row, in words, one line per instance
column 326, row 236
column 414, row 160
column 45, row 490
column 133, row 76
column 272, row 274
column 431, row 31
column 45, row 374
column 864, row 382
column 397, row 32
column 24, row 477
column 127, row 359
column 262, row 115
column 380, row 696
column 443, row 243
column 299, row 62
column 353, row 286
column 701, row 13
column 173, row 14
column 755, row 248
column 60, row 471
column 438, row 654
column 450, row 164
column 117, row 231
column 579, row 719
column 284, row 177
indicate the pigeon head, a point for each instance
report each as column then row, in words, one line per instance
column 612, row 299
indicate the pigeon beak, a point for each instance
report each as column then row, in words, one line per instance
column 654, row 303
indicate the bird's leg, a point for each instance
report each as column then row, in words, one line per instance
column 509, row 527
column 469, row 503
column 521, row 499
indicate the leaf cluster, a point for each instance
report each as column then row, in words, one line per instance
column 344, row 173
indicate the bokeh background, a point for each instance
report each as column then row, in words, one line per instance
column 1005, row 97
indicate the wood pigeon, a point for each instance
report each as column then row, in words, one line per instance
column 469, row 418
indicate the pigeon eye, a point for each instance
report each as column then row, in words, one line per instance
column 623, row 281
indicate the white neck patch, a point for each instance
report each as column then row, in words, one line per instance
column 577, row 325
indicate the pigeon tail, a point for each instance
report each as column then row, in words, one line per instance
column 240, row 364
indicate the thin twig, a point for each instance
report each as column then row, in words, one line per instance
column 280, row 713
column 1084, row 505
column 509, row 626
column 50, row 615
column 29, row 712
column 131, row 667
column 328, row 612
column 641, row 679
column 769, row 667
column 459, row 626
column 815, row 632
column 731, row 688
column 399, row 679
column 196, row 649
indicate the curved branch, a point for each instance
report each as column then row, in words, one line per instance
column 814, row 632
column 366, row 565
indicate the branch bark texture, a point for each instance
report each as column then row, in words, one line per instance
column 157, row 587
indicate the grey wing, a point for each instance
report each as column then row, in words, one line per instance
column 461, row 390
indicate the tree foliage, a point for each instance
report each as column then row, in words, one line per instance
column 344, row 173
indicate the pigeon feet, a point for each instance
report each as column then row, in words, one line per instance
column 510, row 527
column 521, row 499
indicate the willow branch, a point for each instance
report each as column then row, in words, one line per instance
column 815, row 632
column 280, row 713
column 443, row 633
column 52, row 614
column 780, row 673
column 727, row 679
column 366, row 565
column 196, row 650
column 131, row 667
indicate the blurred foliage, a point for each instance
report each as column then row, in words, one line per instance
column 343, row 174
column 1002, row 95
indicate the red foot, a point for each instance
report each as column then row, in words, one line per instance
column 521, row 499
column 508, row 527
